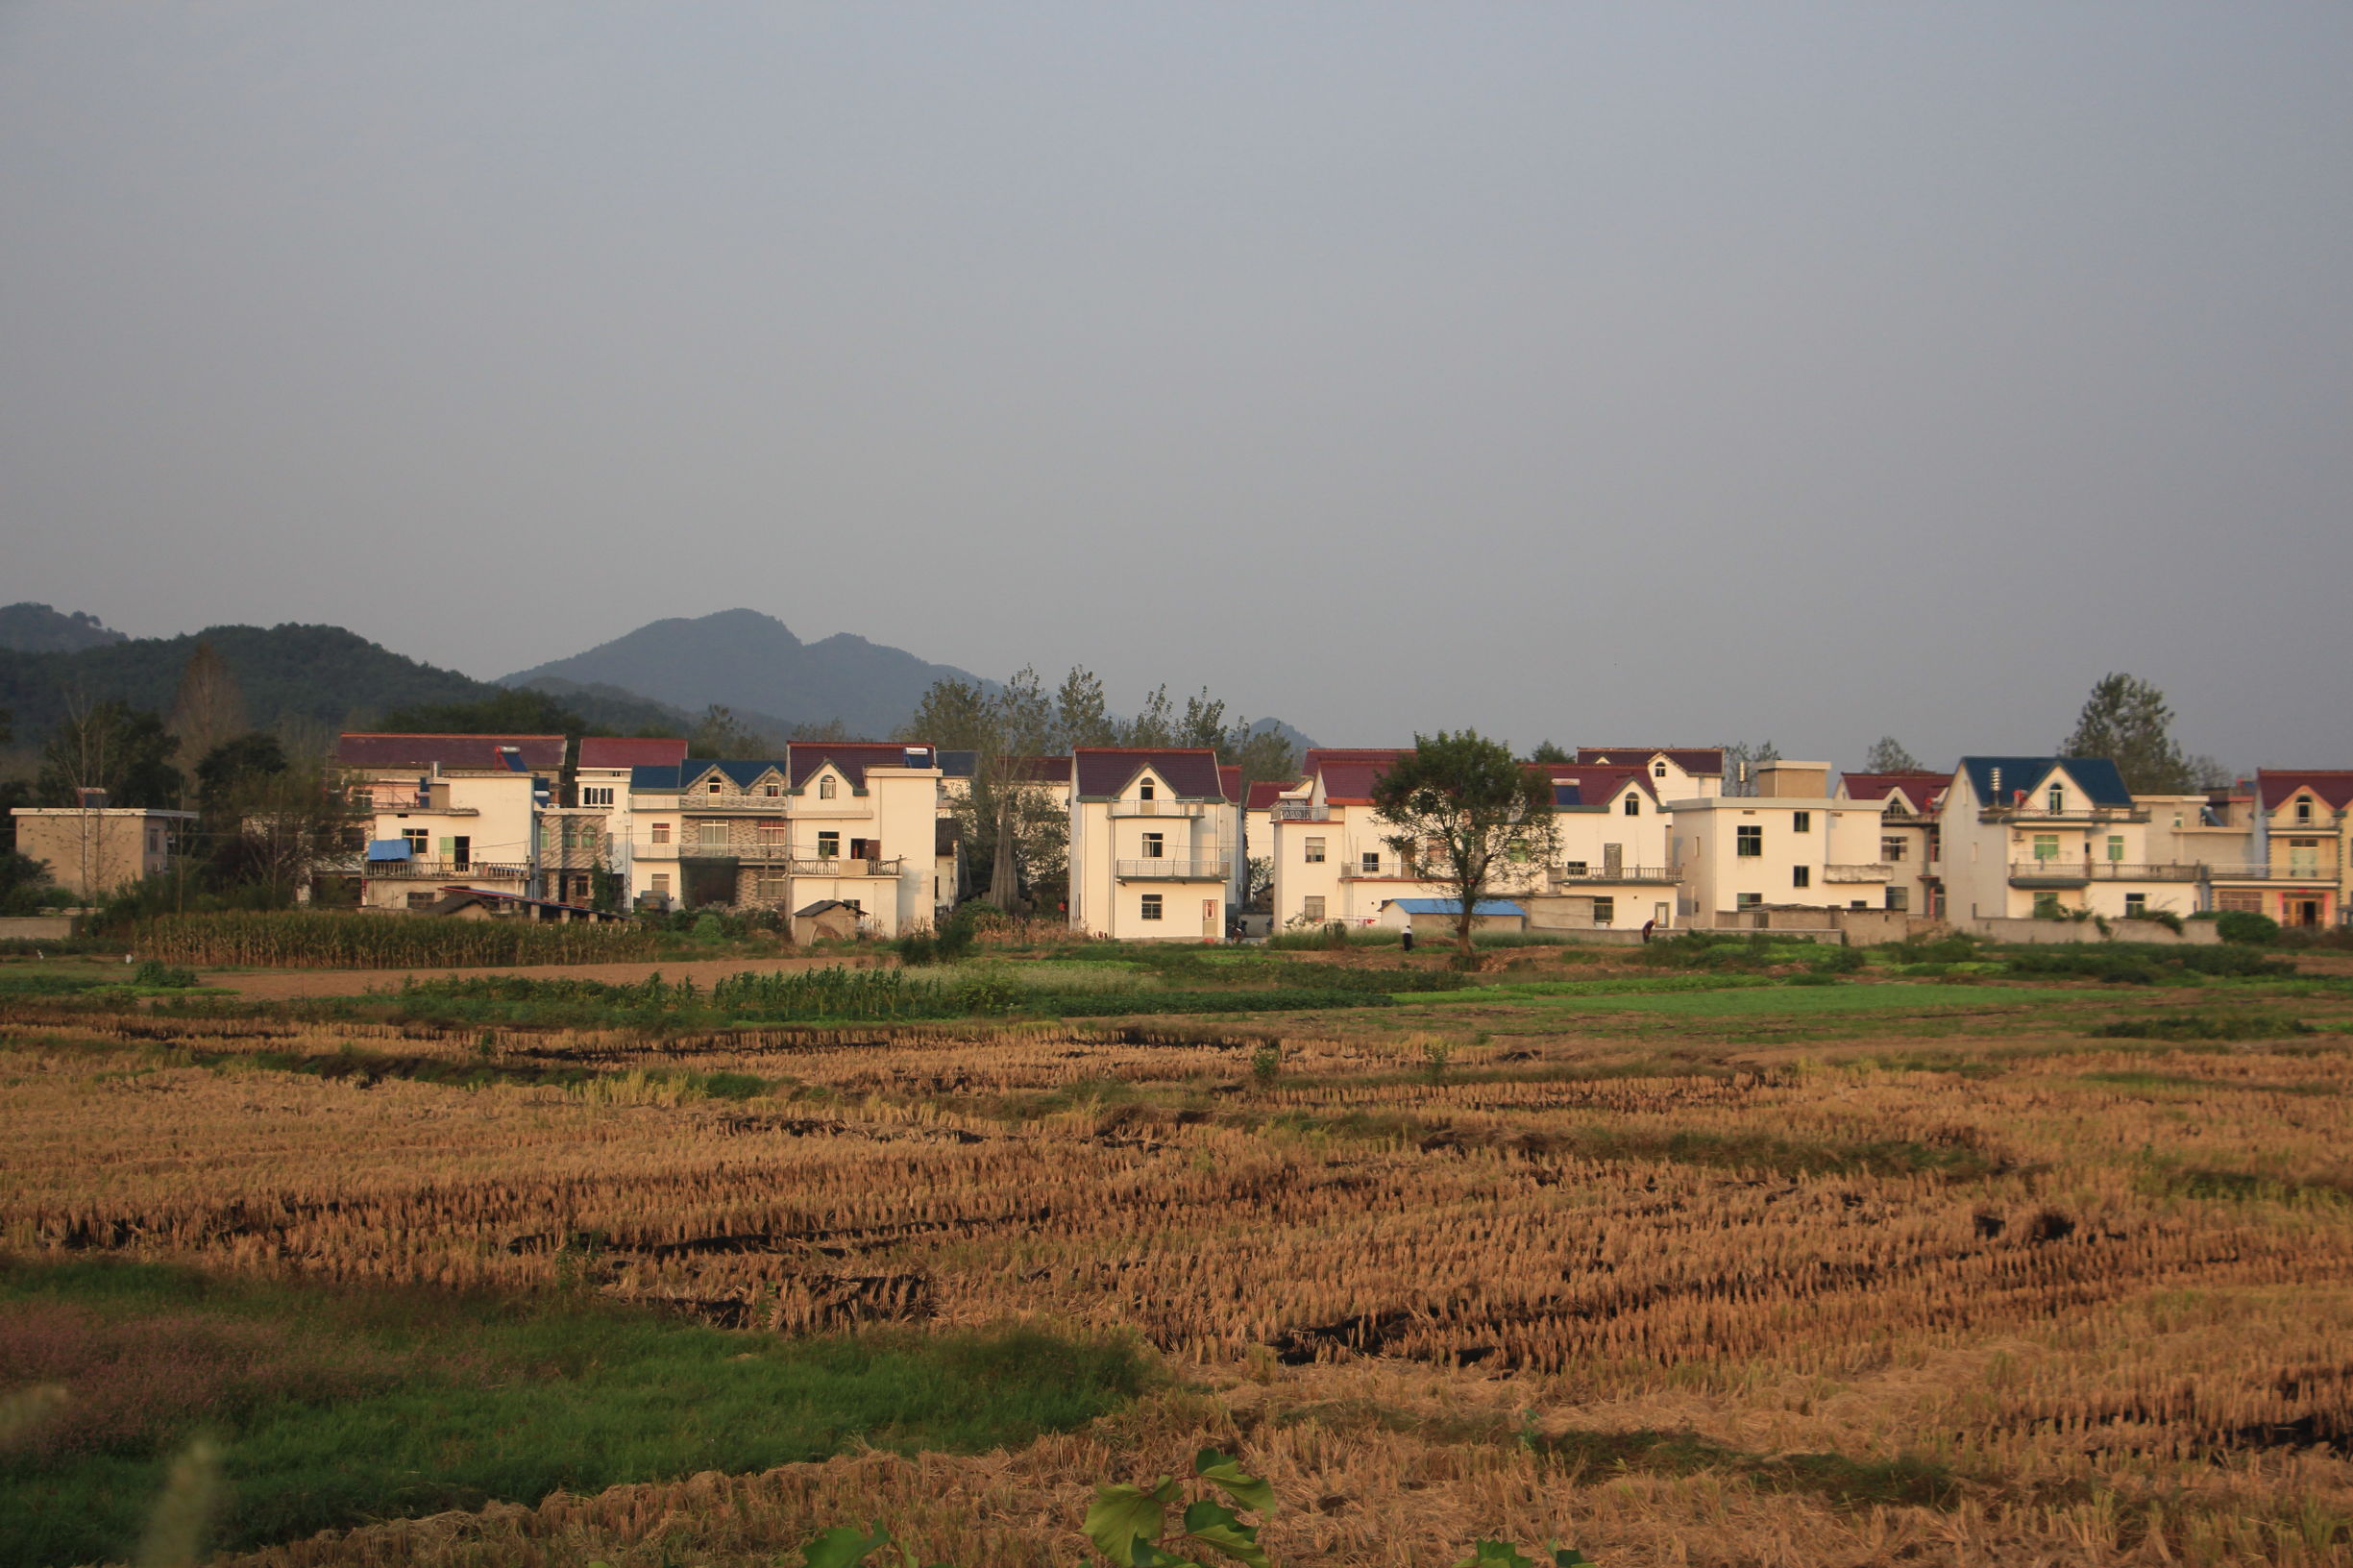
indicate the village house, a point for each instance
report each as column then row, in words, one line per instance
column 2299, row 872
column 2054, row 837
column 852, row 823
column 95, row 849
column 1331, row 861
column 600, row 774
column 1613, row 864
column 1791, row 844
column 451, row 811
column 1908, row 842
column 1677, row 773
column 1156, row 845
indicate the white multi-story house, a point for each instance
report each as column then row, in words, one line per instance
column 2055, row 836
column 459, row 812
column 2300, row 866
column 852, row 823
column 1792, row 843
column 1331, row 861
column 1613, row 856
column 601, row 782
column 1908, row 842
column 1156, row 843
column 1677, row 773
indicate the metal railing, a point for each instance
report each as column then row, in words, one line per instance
column 1585, row 871
column 2073, row 814
column 1175, row 870
column 1876, row 871
column 2251, row 871
column 842, row 866
column 1354, row 870
column 1158, row 808
column 446, row 870
column 1300, row 811
column 2026, row 872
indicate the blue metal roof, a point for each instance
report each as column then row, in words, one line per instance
column 388, row 849
column 1454, row 906
column 2096, row 777
column 743, row 773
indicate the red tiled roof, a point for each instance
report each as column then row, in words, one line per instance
column 1267, row 791
column 1102, row 771
column 1597, row 784
column 630, row 751
column 1920, row 788
column 1046, row 770
column 1698, row 760
column 1230, row 779
column 538, row 753
column 852, row 757
column 2334, row 785
column 1349, row 774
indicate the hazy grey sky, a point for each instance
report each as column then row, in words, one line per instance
column 1605, row 372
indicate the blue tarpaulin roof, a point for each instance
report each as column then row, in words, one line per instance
column 1454, row 906
column 388, row 849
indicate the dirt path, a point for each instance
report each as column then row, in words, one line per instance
column 277, row 985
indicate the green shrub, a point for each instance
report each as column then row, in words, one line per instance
column 2243, row 926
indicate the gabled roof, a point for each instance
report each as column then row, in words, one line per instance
column 2334, row 785
column 743, row 773
column 478, row 753
column 1454, row 906
column 852, row 758
column 630, row 751
column 1699, row 761
column 1918, row 789
column 1592, row 786
column 1229, row 782
column 1264, row 794
column 1349, row 776
column 2096, row 776
column 1103, row 772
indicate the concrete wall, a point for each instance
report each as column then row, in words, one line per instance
column 2198, row 933
column 36, row 928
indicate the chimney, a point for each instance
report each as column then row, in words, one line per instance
column 92, row 800
column 1793, row 781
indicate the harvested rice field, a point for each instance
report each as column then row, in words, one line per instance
column 1766, row 1262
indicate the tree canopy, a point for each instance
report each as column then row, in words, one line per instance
column 2128, row 721
column 113, row 747
column 1887, row 755
column 1460, row 803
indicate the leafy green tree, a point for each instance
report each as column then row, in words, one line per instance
column 229, row 767
column 1154, row 722
column 1259, row 753
column 1461, row 804
column 113, row 747
column 721, row 737
column 515, row 710
column 1887, row 755
column 2128, row 721
column 1080, row 716
column 1741, row 761
column 952, row 716
column 1550, row 753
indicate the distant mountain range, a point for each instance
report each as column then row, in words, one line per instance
column 324, row 678
column 753, row 664
column 37, row 628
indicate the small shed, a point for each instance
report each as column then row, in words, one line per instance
column 827, row 918
column 1435, row 917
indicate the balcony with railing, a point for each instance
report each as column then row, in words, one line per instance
column 1374, row 869
column 1158, row 808
column 1872, row 870
column 841, row 866
column 1300, row 811
column 2076, row 873
column 2066, row 816
column 2294, row 871
column 1578, row 871
column 1174, row 870
column 446, row 870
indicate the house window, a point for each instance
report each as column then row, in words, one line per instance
column 2055, row 801
column 2304, row 857
column 773, row 791
column 712, row 788
column 1370, row 860
column 1748, row 841
column 1801, row 822
column 1605, row 911
column 1573, row 867
column 2045, row 906
column 711, row 835
column 1154, row 844
column 1316, row 851
column 661, row 832
column 772, row 837
column 661, row 884
column 1659, row 770
column 1143, row 791
column 595, row 794
column 2046, row 847
column 1892, row 847
column 1312, row 907
column 828, row 846
column 422, row 900
column 2136, row 906
column 1634, row 805
column 1151, row 906
column 1746, row 900
column 1899, row 898
column 2303, row 811
column 416, row 840
column 771, row 890
column 824, row 787
column 1801, row 876
column 2115, row 847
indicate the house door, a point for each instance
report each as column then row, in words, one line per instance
column 2307, row 912
column 461, row 852
column 1210, row 930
